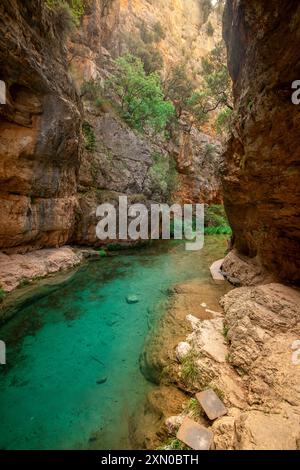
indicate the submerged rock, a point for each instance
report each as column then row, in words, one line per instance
column 132, row 299
column 102, row 381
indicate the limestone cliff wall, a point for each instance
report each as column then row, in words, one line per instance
column 261, row 176
column 39, row 130
column 185, row 26
column 127, row 168
column 49, row 184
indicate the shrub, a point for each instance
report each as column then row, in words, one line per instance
column 159, row 32
column 89, row 137
column 141, row 96
column 164, row 175
column 216, row 222
column 77, row 10
column 173, row 444
column 102, row 253
column 71, row 10
column 206, row 9
column 91, row 90
column 189, row 369
column 62, row 18
column 149, row 55
column 210, row 150
column 223, row 121
column 193, row 408
column 210, row 29
column 147, row 35
column 2, row 294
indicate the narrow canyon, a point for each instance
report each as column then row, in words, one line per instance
column 164, row 102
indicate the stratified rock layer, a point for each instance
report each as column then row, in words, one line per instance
column 39, row 130
column 261, row 176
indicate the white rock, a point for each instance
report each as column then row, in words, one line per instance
column 173, row 423
column 182, row 350
column 208, row 338
column 195, row 322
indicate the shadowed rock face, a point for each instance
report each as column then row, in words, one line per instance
column 39, row 130
column 261, row 165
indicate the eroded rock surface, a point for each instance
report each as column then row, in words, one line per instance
column 247, row 357
column 261, row 176
column 39, row 130
column 17, row 269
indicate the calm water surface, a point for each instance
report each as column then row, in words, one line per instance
column 73, row 377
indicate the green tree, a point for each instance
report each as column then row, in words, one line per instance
column 141, row 96
column 178, row 88
column 216, row 79
column 149, row 54
column 67, row 12
column 159, row 32
column 217, row 87
column 213, row 94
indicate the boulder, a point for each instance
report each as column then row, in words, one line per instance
column 182, row 350
column 132, row 299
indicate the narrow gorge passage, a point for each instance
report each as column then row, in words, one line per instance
column 131, row 130
column 74, row 381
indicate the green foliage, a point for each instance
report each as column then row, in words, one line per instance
column 2, row 294
column 159, row 32
column 91, row 90
column 77, row 7
column 193, row 408
column 217, row 83
column 164, row 175
column 189, row 369
column 218, row 391
column 67, row 14
column 89, row 137
column 141, row 96
column 221, row 230
column 223, row 121
column 179, row 88
column 102, row 253
column 225, row 333
column 149, row 54
column 62, row 18
column 173, row 444
column 210, row 150
column 214, row 93
column 206, row 9
column 210, row 29
column 216, row 222
column 99, row 102
column 148, row 35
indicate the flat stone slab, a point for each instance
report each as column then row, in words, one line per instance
column 215, row 271
column 194, row 435
column 211, row 404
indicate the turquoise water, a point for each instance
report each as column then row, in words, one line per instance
column 72, row 379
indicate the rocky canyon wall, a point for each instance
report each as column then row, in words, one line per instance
column 261, row 176
column 124, row 162
column 50, row 183
column 39, row 130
